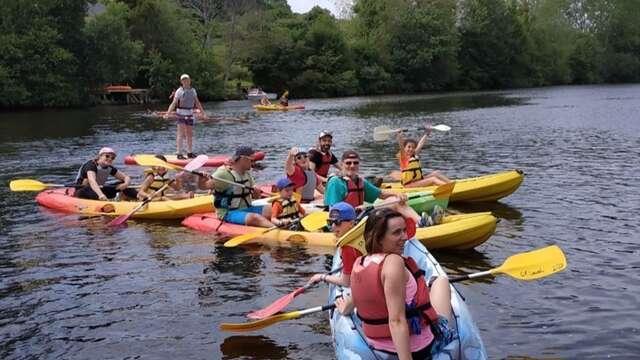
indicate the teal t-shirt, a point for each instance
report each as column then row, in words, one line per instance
column 336, row 191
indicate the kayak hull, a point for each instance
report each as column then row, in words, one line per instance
column 64, row 201
column 213, row 161
column 457, row 232
column 476, row 189
column 276, row 107
column 346, row 330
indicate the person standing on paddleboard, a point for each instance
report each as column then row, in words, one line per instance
column 321, row 158
column 184, row 101
column 93, row 175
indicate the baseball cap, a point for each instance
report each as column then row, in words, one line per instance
column 325, row 133
column 342, row 211
column 106, row 150
column 350, row 154
column 283, row 183
column 184, row 76
column 244, row 151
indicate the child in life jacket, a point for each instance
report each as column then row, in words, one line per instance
column 286, row 211
column 411, row 167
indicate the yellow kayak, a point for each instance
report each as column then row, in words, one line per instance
column 63, row 200
column 456, row 232
column 476, row 189
column 277, row 107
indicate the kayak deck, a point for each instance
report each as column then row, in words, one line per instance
column 457, row 232
column 490, row 187
column 346, row 331
column 63, row 200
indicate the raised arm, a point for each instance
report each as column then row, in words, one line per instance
column 289, row 164
column 423, row 140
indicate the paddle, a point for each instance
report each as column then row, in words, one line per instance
column 123, row 218
column 150, row 160
column 282, row 302
column 525, row 266
column 35, row 185
column 317, row 220
column 382, row 133
column 194, row 164
column 240, row 239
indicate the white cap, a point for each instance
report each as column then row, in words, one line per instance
column 184, row 76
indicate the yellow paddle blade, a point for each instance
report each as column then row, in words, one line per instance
column 315, row 221
column 27, row 185
column 259, row 324
column 534, row 264
column 238, row 240
column 443, row 191
column 151, row 160
column 355, row 237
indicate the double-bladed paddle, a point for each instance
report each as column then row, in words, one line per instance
column 282, row 302
column 382, row 133
column 524, row 266
column 193, row 165
column 241, row 239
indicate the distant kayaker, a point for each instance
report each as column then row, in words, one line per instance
column 298, row 171
column 353, row 189
column 94, row 174
column 233, row 203
column 285, row 211
column 284, row 99
column 410, row 165
column 265, row 101
column 321, row 158
column 154, row 179
column 400, row 313
column 184, row 101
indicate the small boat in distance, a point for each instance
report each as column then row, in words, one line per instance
column 255, row 94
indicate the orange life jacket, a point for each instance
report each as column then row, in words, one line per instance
column 369, row 299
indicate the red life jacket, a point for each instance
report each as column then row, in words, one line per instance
column 355, row 191
column 323, row 169
column 368, row 297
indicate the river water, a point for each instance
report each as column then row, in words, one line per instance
column 72, row 288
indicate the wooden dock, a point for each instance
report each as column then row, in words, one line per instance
column 114, row 94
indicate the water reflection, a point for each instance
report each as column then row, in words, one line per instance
column 253, row 347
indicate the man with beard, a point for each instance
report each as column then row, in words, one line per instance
column 321, row 158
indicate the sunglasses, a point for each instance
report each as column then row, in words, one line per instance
column 110, row 157
column 332, row 222
column 298, row 157
column 352, row 163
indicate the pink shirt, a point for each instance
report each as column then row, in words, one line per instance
column 416, row 342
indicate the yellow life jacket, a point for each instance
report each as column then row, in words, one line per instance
column 289, row 209
column 413, row 171
column 158, row 180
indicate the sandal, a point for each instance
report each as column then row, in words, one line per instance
column 181, row 157
column 191, row 155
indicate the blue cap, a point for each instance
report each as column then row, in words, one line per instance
column 342, row 211
column 283, row 183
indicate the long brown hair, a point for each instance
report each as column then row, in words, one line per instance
column 376, row 228
column 404, row 143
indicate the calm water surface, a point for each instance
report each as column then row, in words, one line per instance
column 72, row 288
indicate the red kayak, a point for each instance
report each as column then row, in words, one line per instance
column 214, row 160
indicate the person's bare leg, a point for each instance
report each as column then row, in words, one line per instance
column 189, row 135
column 179, row 135
column 440, row 295
column 257, row 220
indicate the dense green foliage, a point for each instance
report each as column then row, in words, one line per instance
column 57, row 53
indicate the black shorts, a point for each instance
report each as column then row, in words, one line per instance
column 109, row 191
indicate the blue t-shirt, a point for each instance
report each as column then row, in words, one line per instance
column 336, row 191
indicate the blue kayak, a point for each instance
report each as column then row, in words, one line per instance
column 346, row 330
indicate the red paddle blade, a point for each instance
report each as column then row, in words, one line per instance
column 122, row 219
column 276, row 306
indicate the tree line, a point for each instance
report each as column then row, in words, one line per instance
column 57, row 53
